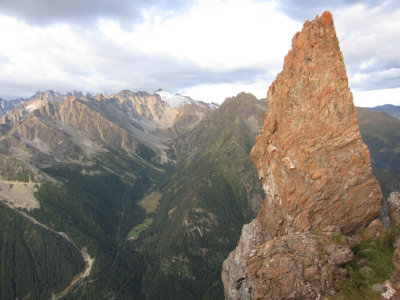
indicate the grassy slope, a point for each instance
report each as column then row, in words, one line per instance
column 204, row 204
column 390, row 109
column 376, row 255
column 381, row 133
column 97, row 211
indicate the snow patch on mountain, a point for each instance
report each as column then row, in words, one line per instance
column 176, row 100
column 213, row 105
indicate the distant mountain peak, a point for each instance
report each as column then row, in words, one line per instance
column 74, row 93
column 390, row 109
column 176, row 100
column 48, row 95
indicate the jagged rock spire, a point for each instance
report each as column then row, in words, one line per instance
column 316, row 173
column 311, row 159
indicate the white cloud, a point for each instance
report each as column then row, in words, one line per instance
column 34, row 56
column 219, row 92
column 87, row 12
column 214, row 34
column 210, row 50
column 214, row 42
column 366, row 64
column 369, row 39
column 370, row 98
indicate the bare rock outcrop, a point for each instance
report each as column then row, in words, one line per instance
column 392, row 286
column 234, row 268
column 394, row 208
column 296, row 266
column 311, row 159
column 316, row 173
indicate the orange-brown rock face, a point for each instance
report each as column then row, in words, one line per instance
column 311, row 159
column 287, row 267
column 317, row 176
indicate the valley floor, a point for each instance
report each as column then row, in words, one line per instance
column 85, row 255
column 78, row 278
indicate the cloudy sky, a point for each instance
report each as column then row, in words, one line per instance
column 207, row 49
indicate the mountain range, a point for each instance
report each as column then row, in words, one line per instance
column 390, row 109
column 141, row 195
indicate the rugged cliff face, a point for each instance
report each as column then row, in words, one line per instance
column 52, row 128
column 316, row 173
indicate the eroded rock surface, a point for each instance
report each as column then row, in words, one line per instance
column 311, row 159
column 316, row 173
column 394, row 208
column 296, row 266
column 234, row 268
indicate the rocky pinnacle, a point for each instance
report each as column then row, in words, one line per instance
column 313, row 164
